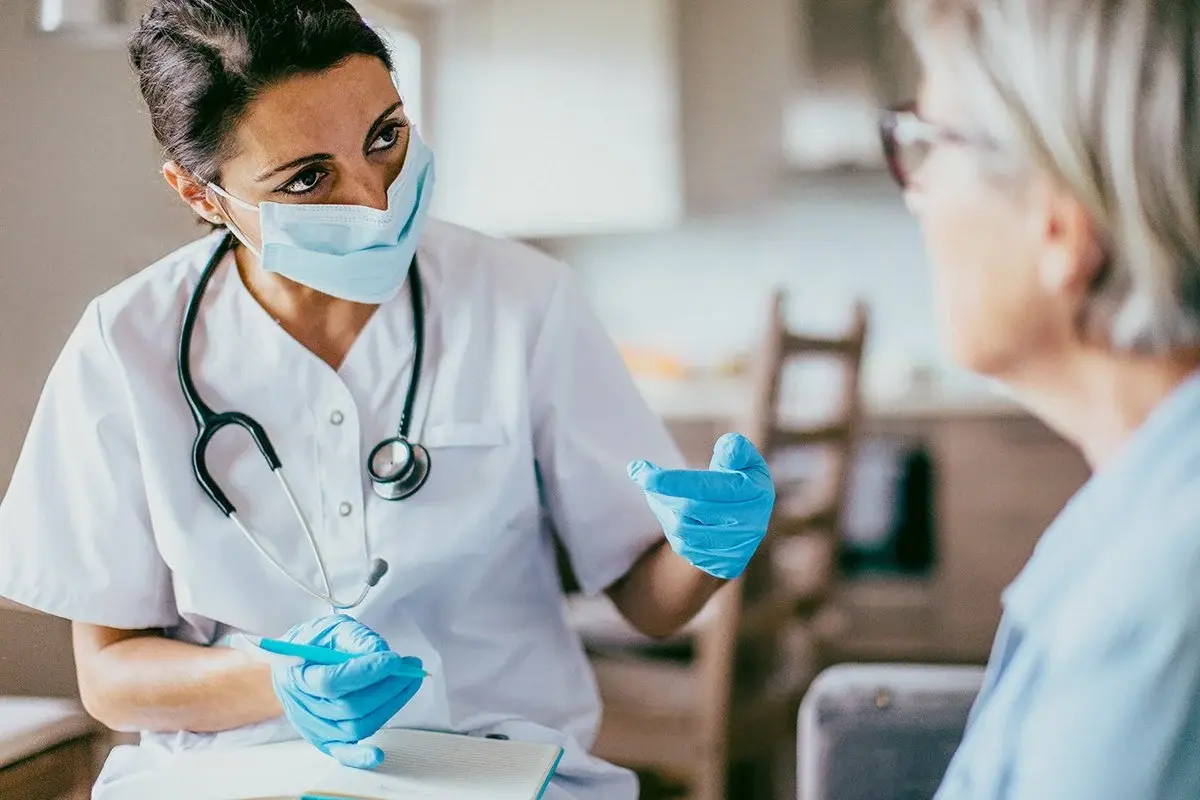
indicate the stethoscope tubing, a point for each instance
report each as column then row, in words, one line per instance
column 209, row 422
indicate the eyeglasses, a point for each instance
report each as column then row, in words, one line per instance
column 908, row 140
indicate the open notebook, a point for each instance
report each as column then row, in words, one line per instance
column 419, row 764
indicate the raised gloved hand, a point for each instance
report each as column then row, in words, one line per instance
column 336, row 706
column 714, row 518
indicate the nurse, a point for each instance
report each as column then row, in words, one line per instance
column 1053, row 160
column 328, row 311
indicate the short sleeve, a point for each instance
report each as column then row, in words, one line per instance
column 589, row 422
column 75, row 533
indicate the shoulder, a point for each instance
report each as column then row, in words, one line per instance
column 505, row 275
column 1143, row 587
column 130, row 328
column 144, row 311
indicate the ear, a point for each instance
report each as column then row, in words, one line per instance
column 1074, row 252
column 192, row 192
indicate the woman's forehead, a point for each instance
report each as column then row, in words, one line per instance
column 323, row 112
column 940, row 94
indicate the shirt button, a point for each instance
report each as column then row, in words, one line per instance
column 336, row 418
column 344, row 509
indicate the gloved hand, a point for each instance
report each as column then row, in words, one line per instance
column 714, row 518
column 334, row 707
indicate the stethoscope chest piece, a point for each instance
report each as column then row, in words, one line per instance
column 398, row 468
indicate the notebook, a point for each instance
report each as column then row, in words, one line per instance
column 421, row 765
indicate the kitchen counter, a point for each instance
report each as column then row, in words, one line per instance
column 731, row 398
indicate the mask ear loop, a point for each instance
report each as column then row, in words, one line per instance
column 221, row 196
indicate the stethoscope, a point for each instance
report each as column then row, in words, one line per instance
column 397, row 467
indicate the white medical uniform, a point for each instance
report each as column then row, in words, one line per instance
column 530, row 418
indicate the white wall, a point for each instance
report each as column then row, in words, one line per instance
column 557, row 116
column 700, row 292
column 81, row 201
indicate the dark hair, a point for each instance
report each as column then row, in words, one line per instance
column 200, row 63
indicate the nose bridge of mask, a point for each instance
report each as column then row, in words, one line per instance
column 337, row 229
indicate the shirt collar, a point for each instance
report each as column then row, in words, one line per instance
column 429, row 261
column 1090, row 521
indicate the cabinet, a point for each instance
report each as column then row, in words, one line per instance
column 561, row 117
column 1000, row 479
column 739, row 63
column 555, row 117
column 854, row 59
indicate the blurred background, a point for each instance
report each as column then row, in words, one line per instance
column 711, row 169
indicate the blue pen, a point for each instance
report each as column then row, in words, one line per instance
column 313, row 654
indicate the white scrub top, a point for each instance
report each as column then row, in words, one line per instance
column 530, row 418
column 1093, row 688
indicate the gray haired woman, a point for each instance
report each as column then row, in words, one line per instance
column 1053, row 160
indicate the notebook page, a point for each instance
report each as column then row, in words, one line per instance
column 418, row 765
column 449, row 765
column 287, row 768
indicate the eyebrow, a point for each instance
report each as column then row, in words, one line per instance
column 303, row 160
column 318, row 157
column 379, row 121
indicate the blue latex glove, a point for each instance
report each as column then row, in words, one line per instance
column 335, row 707
column 714, row 518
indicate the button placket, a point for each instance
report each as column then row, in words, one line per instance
column 341, row 486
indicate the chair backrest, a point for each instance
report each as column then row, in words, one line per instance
column 742, row 640
column 835, row 434
column 870, row 731
column 795, row 565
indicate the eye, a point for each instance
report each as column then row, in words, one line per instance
column 304, row 182
column 387, row 138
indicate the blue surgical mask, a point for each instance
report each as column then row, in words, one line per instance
column 356, row 253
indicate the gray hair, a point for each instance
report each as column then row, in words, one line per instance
column 1103, row 95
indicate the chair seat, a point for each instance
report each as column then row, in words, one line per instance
column 33, row 725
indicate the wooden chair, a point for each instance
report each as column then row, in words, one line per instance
column 722, row 692
column 808, row 519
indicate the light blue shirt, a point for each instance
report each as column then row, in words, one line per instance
column 1092, row 690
